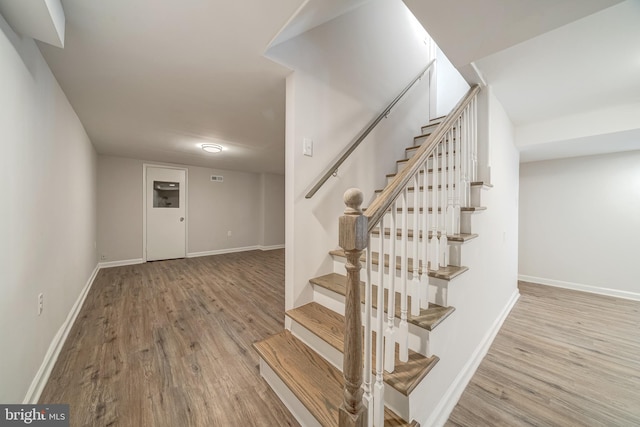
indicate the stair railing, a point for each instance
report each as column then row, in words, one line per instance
column 333, row 168
column 443, row 167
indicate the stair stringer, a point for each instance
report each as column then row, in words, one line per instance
column 480, row 311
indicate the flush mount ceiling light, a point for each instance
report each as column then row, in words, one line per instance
column 212, row 148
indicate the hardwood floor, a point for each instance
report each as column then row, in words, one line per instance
column 170, row 344
column 562, row 358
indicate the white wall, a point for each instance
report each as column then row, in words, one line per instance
column 48, row 227
column 346, row 72
column 273, row 218
column 450, row 85
column 213, row 209
column 580, row 223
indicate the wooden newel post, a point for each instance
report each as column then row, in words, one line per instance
column 353, row 239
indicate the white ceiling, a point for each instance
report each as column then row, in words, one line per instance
column 545, row 60
column 586, row 65
column 153, row 80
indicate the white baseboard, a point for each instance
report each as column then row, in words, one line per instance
column 222, row 251
column 272, row 247
column 50, row 358
column 444, row 408
column 580, row 287
column 121, row 263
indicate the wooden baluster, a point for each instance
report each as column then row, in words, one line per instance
column 424, row 272
column 403, row 330
column 415, row 280
column 390, row 332
column 353, row 238
column 378, row 388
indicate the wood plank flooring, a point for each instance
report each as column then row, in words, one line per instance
column 562, row 358
column 170, row 344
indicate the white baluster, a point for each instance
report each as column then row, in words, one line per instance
column 450, row 183
column 435, row 247
column 378, row 388
column 456, row 201
column 465, row 160
column 474, row 146
column 390, row 332
column 442, row 243
column 424, row 276
column 366, row 378
column 403, row 330
column 415, row 280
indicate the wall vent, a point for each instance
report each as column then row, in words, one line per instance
column 217, row 178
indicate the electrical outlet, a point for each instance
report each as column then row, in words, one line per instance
column 103, row 257
column 40, row 303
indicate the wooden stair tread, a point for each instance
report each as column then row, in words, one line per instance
column 462, row 237
column 314, row 381
column 481, row 184
column 427, row 319
column 445, row 273
column 329, row 326
column 462, row 209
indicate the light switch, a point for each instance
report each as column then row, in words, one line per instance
column 307, row 147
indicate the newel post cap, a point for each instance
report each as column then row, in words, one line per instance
column 353, row 198
column 353, row 225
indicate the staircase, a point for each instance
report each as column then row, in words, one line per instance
column 415, row 230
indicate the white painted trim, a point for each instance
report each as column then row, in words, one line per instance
column 441, row 413
column 580, row 287
column 270, row 248
column 50, row 358
column 223, row 251
column 293, row 404
column 144, row 205
column 121, row 263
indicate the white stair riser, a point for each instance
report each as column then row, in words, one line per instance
column 418, row 337
column 401, row 165
column 442, row 193
column 437, row 287
column 475, row 192
column 455, row 251
column 464, row 216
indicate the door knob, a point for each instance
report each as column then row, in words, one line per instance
column 181, row 219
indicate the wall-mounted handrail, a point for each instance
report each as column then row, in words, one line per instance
column 391, row 192
column 363, row 134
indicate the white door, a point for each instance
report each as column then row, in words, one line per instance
column 166, row 219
